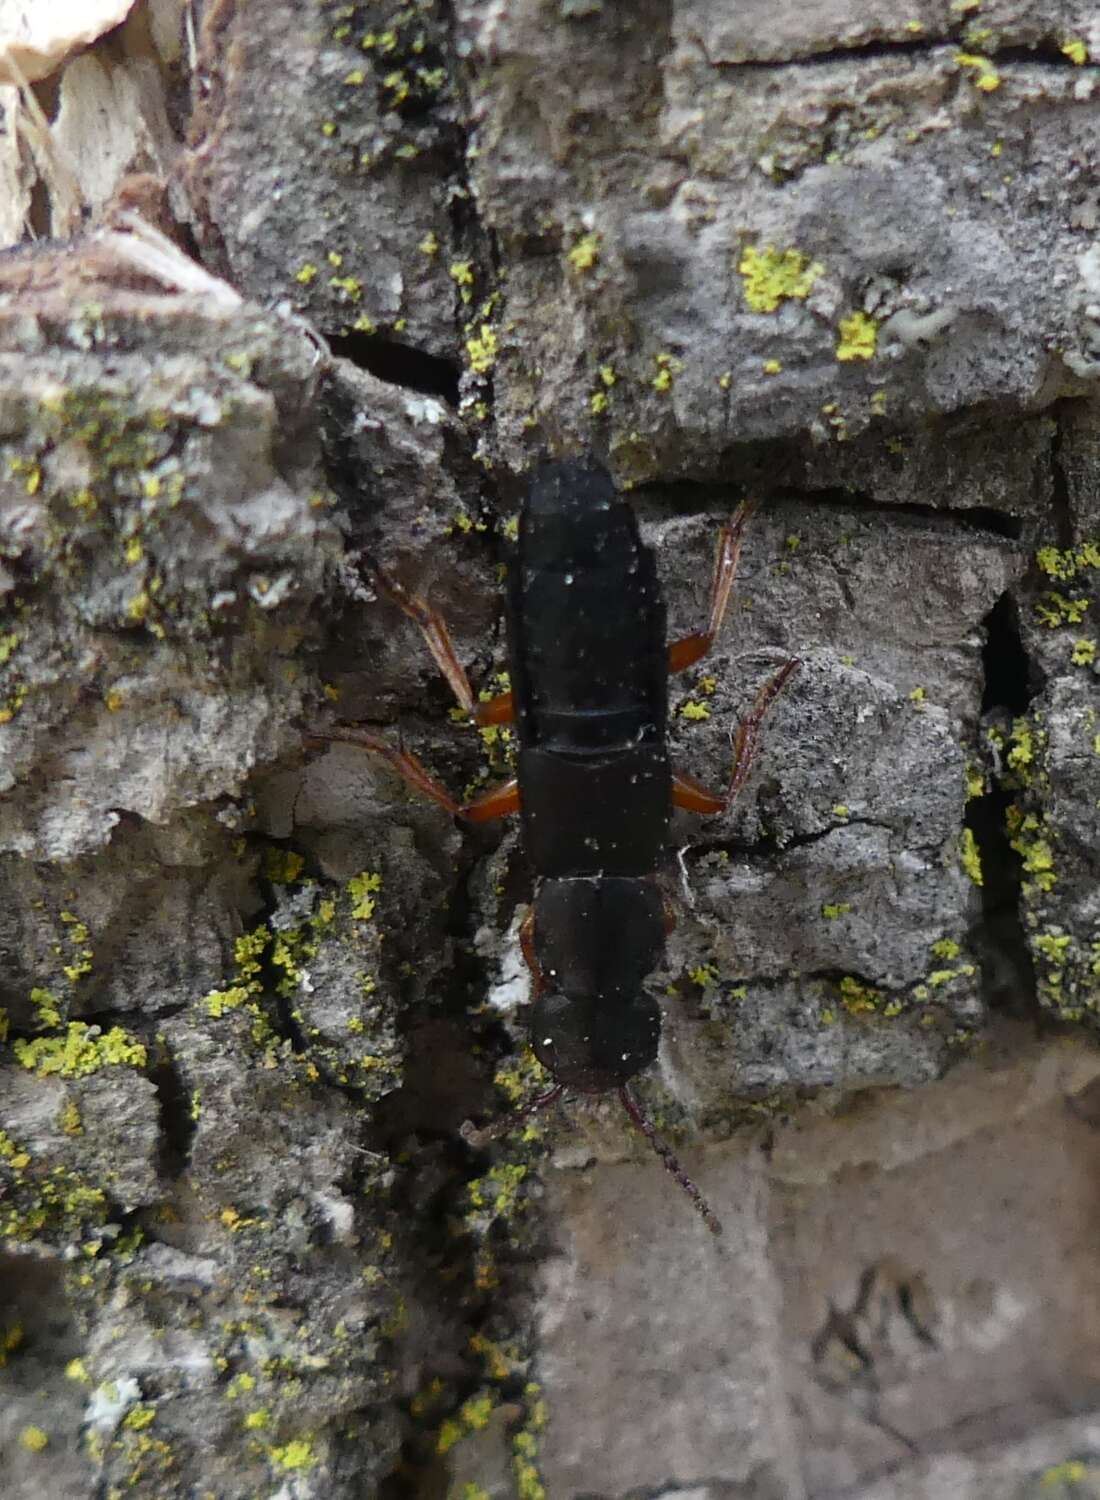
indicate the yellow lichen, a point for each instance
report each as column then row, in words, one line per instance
column 1056, row 609
column 772, row 276
column 283, row 866
column 585, row 253
column 83, row 1050
column 1067, row 564
column 482, row 350
column 297, row 1454
column 858, row 337
column 351, row 286
column 462, row 274
column 970, row 855
column 668, row 367
column 360, row 889
column 858, row 998
column 983, row 75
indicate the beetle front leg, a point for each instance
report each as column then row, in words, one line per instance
column 433, row 627
column 691, row 648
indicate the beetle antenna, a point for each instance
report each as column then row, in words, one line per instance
column 475, row 1137
column 670, row 1160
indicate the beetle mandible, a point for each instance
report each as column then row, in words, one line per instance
column 594, row 786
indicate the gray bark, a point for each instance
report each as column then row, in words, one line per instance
column 839, row 257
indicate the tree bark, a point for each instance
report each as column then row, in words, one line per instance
column 321, row 283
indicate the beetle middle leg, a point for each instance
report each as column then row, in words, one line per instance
column 497, row 802
column 692, row 795
column 692, row 648
column 433, row 627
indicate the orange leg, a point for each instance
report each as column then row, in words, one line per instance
column 497, row 802
column 691, row 648
column 498, row 710
column 433, row 627
column 527, row 948
column 692, row 795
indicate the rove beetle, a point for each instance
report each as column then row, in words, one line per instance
column 594, row 787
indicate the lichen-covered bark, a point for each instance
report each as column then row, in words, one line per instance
column 834, row 256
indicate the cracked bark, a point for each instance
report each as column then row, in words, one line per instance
column 859, row 1047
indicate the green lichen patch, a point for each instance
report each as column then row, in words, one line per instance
column 970, row 856
column 858, row 338
column 44, row 1200
column 82, row 1050
column 668, row 367
column 858, row 998
column 1028, row 835
column 1063, row 566
column 980, row 70
column 771, row 277
column 294, row 1456
column 361, row 890
column 1056, row 609
column 472, row 1416
column 584, row 254
column 481, row 349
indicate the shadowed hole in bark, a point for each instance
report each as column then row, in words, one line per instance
column 400, row 364
column 177, row 1124
column 759, row 477
column 979, row 518
column 1008, row 975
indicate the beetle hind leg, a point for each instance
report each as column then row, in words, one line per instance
column 692, row 795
